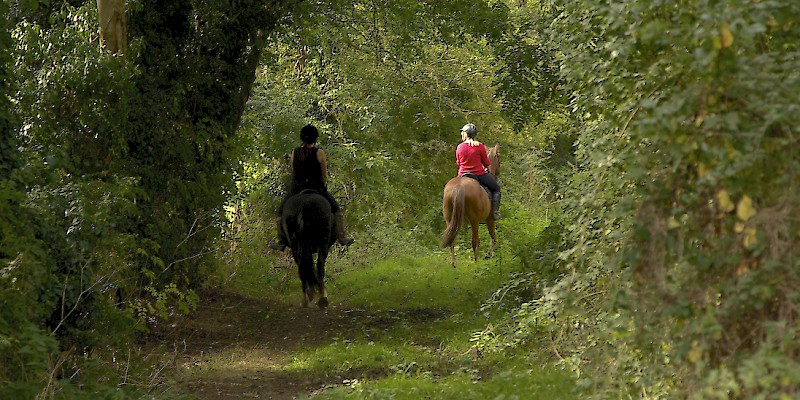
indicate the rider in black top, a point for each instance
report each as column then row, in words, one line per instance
column 310, row 171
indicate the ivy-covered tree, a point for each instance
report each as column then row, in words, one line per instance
column 117, row 166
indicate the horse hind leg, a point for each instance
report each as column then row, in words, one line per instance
column 305, row 300
column 490, row 224
column 475, row 241
column 305, row 265
column 322, row 303
column 322, row 256
column 310, row 293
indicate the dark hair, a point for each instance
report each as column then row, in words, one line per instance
column 309, row 134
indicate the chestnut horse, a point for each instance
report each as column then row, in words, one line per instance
column 466, row 201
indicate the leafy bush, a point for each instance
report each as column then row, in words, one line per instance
column 117, row 166
column 682, row 270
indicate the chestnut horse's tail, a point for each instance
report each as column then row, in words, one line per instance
column 456, row 215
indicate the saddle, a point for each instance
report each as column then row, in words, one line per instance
column 485, row 189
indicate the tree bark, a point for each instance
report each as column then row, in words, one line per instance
column 113, row 26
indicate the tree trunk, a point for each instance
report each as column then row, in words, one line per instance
column 113, row 27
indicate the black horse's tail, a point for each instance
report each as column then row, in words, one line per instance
column 304, row 250
column 305, row 266
column 456, row 217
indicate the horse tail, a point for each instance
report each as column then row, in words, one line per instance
column 456, row 216
column 302, row 249
column 305, row 266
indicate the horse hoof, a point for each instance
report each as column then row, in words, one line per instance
column 322, row 302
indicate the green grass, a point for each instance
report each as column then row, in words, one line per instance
column 360, row 358
column 412, row 283
column 418, row 315
column 515, row 382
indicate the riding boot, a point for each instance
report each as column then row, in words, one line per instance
column 341, row 236
column 496, row 206
column 280, row 242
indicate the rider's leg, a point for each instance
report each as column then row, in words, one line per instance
column 496, row 205
column 338, row 219
column 281, row 241
column 489, row 181
column 341, row 235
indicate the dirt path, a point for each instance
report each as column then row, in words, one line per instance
column 232, row 346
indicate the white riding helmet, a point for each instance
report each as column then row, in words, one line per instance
column 471, row 130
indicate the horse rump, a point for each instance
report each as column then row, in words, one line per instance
column 307, row 222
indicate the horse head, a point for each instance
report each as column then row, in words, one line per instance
column 494, row 157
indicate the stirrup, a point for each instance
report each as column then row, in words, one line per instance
column 496, row 215
column 277, row 245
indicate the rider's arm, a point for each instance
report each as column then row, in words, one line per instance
column 485, row 158
column 458, row 162
column 324, row 163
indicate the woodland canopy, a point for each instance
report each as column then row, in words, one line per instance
column 657, row 139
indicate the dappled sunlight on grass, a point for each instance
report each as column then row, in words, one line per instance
column 409, row 283
column 233, row 361
column 356, row 358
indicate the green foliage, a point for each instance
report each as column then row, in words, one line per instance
column 527, row 80
column 512, row 383
column 389, row 88
column 682, row 271
column 117, row 168
column 24, row 347
column 196, row 64
column 662, row 133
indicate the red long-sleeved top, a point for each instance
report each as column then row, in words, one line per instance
column 472, row 159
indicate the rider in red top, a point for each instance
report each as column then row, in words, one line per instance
column 471, row 158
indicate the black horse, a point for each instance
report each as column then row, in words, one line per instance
column 307, row 225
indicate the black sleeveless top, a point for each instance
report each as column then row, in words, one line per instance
column 307, row 170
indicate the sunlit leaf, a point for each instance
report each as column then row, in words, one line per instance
column 745, row 209
column 726, row 36
column 724, row 201
column 750, row 238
